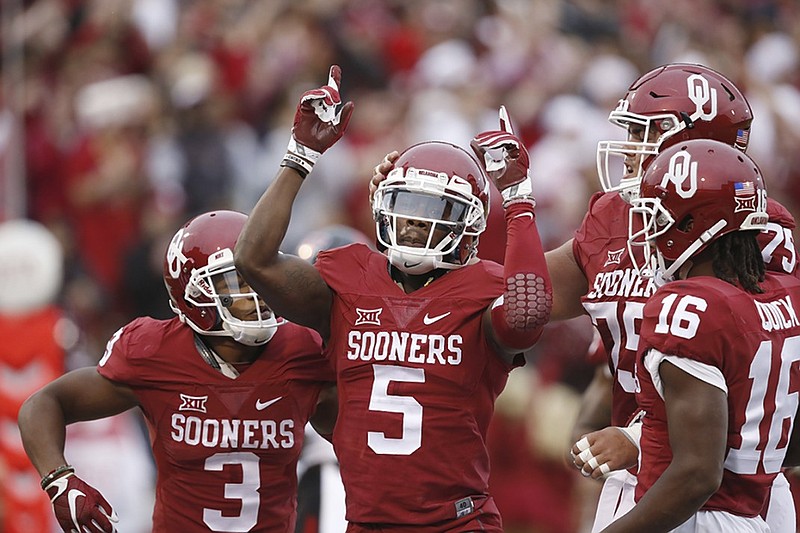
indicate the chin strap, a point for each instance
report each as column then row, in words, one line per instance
column 213, row 360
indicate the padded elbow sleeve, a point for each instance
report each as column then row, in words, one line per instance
column 519, row 315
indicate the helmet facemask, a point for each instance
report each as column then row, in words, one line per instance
column 647, row 221
column 218, row 286
column 650, row 134
column 448, row 216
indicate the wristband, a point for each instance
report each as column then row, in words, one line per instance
column 522, row 192
column 289, row 161
column 55, row 474
column 299, row 157
column 633, row 432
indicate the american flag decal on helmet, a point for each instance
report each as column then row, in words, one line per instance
column 742, row 138
column 744, row 188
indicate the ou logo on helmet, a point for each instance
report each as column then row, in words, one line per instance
column 175, row 257
column 701, row 94
column 682, row 172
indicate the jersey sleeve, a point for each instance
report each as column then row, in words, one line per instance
column 684, row 319
column 595, row 226
column 124, row 353
column 307, row 362
column 339, row 267
column 777, row 241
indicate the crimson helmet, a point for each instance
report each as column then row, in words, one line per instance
column 693, row 193
column 431, row 208
column 203, row 284
column 668, row 105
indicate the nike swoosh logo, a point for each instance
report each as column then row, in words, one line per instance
column 72, row 496
column 263, row 405
column 428, row 320
column 412, row 265
column 525, row 215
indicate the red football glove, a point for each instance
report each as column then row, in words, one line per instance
column 505, row 160
column 79, row 507
column 320, row 121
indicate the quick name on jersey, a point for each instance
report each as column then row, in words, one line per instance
column 773, row 318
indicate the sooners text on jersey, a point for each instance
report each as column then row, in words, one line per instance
column 226, row 449
column 417, row 383
column 616, row 297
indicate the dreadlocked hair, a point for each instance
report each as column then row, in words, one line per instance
column 736, row 258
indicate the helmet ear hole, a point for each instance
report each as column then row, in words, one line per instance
column 686, row 224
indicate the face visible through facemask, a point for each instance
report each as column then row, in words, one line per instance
column 418, row 214
column 244, row 314
column 635, row 158
column 237, row 297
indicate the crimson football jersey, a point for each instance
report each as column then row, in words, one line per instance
column 417, row 383
column 616, row 296
column 226, row 449
column 754, row 341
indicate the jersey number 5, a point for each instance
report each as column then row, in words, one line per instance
column 381, row 400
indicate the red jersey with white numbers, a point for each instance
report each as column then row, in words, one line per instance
column 417, row 383
column 616, row 296
column 754, row 341
column 226, row 449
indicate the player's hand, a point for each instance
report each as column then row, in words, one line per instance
column 79, row 507
column 505, row 160
column 380, row 172
column 319, row 122
column 601, row 452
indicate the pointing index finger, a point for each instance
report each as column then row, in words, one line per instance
column 505, row 122
column 335, row 77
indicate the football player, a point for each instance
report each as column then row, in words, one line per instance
column 719, row 345
column 665, row 106
column 593, row 272
column 422, row 334
column 226, row 388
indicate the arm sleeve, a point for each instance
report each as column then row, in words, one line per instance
column 519, row 315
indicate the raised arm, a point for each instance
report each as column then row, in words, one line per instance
column 293, row 288
column 77, row 396
column 515, row 320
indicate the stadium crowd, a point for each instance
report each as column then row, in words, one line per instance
column 121, row 119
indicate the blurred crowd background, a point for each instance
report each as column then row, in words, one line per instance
column 120, row 119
